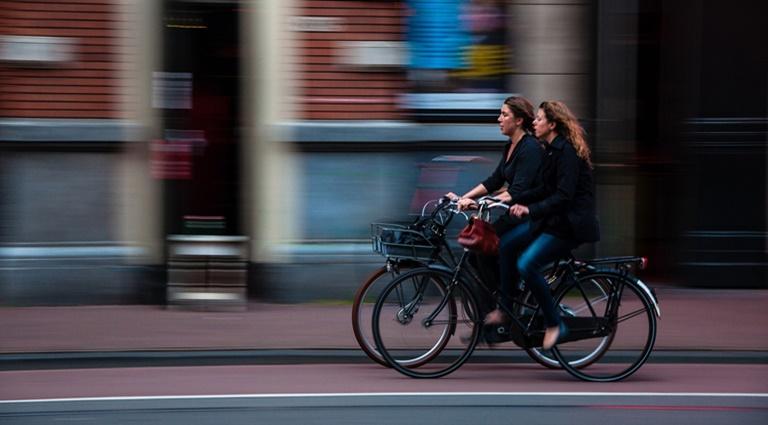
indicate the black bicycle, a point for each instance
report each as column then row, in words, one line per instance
column 412, row 245
column 610, row 313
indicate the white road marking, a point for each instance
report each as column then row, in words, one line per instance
column 389, row 394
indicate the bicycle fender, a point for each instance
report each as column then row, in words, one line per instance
column 643, row 287
column 440, row 268
column 651, row 295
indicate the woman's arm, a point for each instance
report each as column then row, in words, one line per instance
column 494, row 182
column 477, row 191
column 467, row 199
column 503, row 196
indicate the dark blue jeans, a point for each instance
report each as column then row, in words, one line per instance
column 523, row 253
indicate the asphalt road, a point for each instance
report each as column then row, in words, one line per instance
column 428, row 409
column 370, row 394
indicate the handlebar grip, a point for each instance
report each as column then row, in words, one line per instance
column 489, row 198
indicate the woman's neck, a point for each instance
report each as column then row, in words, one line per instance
column 517, row 136
column 551, row 136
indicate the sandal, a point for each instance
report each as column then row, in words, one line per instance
column 553, row 335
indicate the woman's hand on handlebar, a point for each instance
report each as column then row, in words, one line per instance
column 466, row 204
column 452, row 196
column 461, row 203
column 518, row 210
column 503, row 197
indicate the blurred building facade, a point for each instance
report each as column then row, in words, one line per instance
column 297, row 123
column 70, row 123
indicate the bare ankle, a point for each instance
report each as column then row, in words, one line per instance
column 494, row 318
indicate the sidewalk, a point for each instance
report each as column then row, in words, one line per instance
column 691, row 320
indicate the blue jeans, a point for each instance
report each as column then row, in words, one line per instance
column 523, row 253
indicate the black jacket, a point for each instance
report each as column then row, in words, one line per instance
column 563, row 203
column 522, row 169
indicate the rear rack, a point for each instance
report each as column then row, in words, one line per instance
column 619, row 262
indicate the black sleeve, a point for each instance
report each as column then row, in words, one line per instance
column 496, row 180
column 531, row 195
column 567, row 169
column 527, row 166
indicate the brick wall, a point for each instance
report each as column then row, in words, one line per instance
column 88, row 86
column 328, row 89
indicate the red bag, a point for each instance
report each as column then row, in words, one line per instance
column 479, row 236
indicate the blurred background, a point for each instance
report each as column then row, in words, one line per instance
column 178, row 152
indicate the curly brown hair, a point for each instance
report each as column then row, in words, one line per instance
column 568, row 125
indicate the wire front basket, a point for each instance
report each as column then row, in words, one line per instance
column 399, row 241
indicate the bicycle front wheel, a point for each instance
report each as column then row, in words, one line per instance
column 416, row 316
column 362, row 312
column 602, row 304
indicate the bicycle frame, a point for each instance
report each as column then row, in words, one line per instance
column 527, row 331
column 590, row 296
column 526, row 336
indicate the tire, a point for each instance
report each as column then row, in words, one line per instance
column 627, row 314
column 402, row 331
column 362, row 311
column 547, row 359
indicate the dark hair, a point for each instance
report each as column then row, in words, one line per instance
column 568, row 125
column 522, row 108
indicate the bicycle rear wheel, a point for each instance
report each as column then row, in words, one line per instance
column 417, row 315
column 525, row 308
column 601, row 304
column 546, row 357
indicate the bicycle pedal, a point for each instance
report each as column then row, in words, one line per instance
column 496, row 333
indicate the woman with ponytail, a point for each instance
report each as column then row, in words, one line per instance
column 519, row 164
column 516, row 172
column 559, row 214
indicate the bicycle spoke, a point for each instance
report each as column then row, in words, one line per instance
column 576, row 306
column 628, row 325
column 586, row 300
column 631, row 315
column 423, row 329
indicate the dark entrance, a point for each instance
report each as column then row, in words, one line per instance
column 198, row 93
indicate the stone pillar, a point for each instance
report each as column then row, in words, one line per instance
column 269, row 168
column 552, row 52
column 139, row 216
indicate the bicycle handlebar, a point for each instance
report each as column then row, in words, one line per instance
column 443, row 204
column 489, row 202
column 485, row 204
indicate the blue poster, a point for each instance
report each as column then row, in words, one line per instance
column 458, row 56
